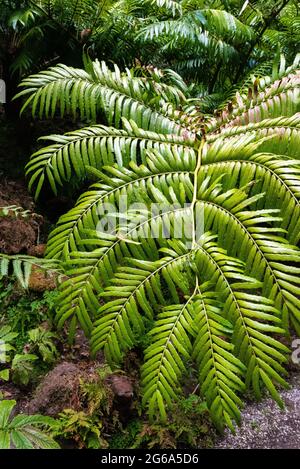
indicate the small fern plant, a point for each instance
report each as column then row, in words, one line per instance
column 218, row 297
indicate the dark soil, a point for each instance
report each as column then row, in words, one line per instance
column 15, row 193
column 18, row 234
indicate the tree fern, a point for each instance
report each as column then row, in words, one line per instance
column 218, row 23
column 215, row 296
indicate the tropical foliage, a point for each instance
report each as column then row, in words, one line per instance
column 217, row 295
column 35, row 33
column 42, row 341
column 228, row 37
column 22, row 367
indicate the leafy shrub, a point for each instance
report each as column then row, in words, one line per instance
column 24, row 431
column 24, row 310
column 22, row 368
column 6, row 339
column 188, row 427
column 42, row 341
column 221, row 296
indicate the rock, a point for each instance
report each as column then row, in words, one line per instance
column 121, row 386
column 59, row 390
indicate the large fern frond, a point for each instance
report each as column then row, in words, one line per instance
column 96, row 146
column 221, row 374
column 98, row 89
